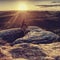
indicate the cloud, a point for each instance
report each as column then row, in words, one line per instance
column 55, row 5
column 56, row 1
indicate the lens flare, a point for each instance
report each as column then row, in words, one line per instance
column 23, row 7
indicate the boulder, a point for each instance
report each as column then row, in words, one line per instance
column 11, row 35
column 37, row 35
column 28, row 51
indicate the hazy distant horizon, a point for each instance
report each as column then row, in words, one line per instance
column 15, row 5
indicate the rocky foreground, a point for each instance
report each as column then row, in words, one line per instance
column 36, row 44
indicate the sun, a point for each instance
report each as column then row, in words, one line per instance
column 23, row 7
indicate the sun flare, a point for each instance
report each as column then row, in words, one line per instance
column 23, row 7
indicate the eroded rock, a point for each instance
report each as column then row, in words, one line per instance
column 10, row 35
column 37, row 36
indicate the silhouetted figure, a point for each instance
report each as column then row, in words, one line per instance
column 23, row 27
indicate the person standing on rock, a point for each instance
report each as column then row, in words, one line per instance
column 23, row 27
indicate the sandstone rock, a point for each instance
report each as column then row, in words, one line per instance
column 10, row 35
column 28, row 51
column 37, row 35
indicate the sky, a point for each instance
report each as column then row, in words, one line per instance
column 31, row 5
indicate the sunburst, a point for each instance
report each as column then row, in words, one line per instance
column 23, row 7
